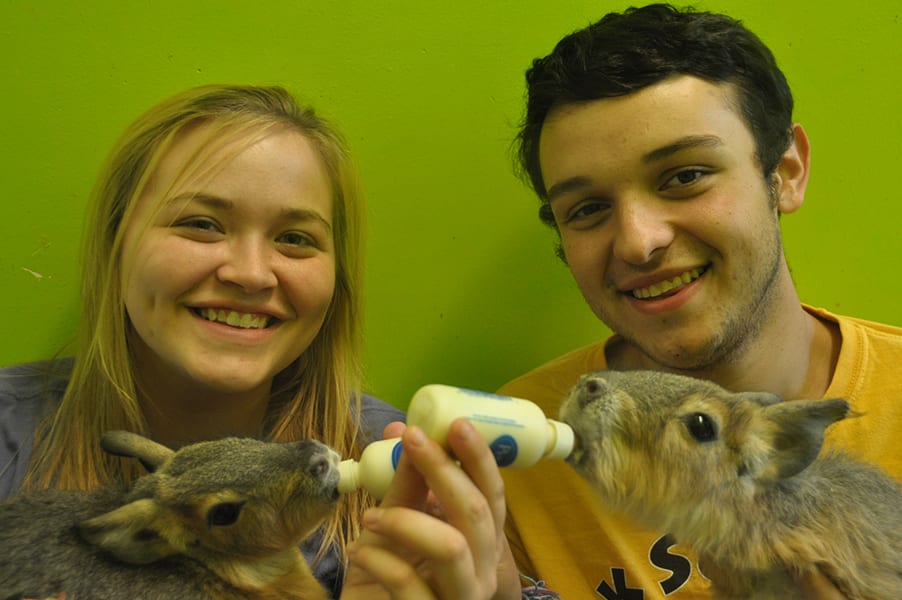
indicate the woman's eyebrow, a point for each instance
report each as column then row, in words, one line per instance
column 304, row 214
column 201, row 198
column 218, row 202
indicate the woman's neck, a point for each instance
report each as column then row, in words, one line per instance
column 179, row 412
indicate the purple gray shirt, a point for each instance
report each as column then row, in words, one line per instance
column 30, row 391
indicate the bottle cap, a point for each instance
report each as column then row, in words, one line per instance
column 562, row 445
column 348, row 471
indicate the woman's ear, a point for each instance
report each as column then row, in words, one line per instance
column 791, row 176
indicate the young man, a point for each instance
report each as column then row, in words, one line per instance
column 662, row 147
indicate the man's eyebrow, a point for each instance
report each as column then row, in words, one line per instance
column 218, row 202
column 685, row 143
column 568, row 185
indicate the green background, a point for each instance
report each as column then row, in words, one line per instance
column 462, row 284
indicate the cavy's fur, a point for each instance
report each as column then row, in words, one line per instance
column 219, row 519
column 737, row 477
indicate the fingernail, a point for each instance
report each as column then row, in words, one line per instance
column 372, row 516
column 415, row 436
column 465, row 430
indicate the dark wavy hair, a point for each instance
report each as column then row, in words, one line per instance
column 625, row 52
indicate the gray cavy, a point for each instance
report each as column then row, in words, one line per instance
column 217, row 519
column 738, row 477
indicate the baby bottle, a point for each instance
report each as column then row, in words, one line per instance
column 516, row 430
column 375, row 469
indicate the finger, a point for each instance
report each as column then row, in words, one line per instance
column 393, row 430
column 461, row 501
column 439, row 550
column 408, row 487
column 393, row 573
column 479, row 464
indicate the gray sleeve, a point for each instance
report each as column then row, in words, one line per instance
column 26, row 392
column 376, row 414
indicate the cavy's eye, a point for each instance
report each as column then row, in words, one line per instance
column 701, row 427
column 224, row 513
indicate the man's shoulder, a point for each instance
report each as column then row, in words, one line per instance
column 549, row 383
column 864, row 337
column 891, row 332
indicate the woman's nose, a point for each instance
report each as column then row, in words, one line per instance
column 249, row 265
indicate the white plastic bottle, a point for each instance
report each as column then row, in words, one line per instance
column 516, row 430
column 375, row 469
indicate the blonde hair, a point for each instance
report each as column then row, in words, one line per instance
column 318, row 394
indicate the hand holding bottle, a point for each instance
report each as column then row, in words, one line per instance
column 516, row 430
column 406, row 552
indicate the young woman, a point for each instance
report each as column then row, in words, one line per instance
column 221, row 296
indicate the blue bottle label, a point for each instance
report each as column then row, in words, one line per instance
column 505, row 450
column 396, row 455
column 485, row 395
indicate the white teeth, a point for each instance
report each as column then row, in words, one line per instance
column 235, row 319
column 663, row 287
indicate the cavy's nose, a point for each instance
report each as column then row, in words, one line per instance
column 592, row 388
column 319, row 466
column 322, row 461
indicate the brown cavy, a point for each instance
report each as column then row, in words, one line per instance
column 738, row 477
column 218, row 519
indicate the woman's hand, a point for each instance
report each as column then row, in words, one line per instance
column 439, row 532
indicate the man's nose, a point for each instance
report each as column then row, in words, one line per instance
column 642, row 229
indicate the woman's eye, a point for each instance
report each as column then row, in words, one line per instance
column 199, row 223
column 296, row 238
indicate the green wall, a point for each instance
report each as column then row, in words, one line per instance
column 463, row 287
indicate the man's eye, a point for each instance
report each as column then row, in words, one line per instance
column 684, row 178
column 586, row 210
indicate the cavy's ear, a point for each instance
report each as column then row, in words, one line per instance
column 794, row 430
column 132, row 533
column 126, row 443
column 761, row 398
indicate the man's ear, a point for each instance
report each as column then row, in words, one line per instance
column 791, row 176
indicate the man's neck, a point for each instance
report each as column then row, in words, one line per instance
column 794, row 355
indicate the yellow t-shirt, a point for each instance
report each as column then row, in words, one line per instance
column 560, row 533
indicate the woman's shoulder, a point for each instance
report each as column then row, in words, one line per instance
column 27, row 391
column 375, row 414
column 35, row 379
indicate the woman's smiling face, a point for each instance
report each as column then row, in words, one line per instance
column 231, row 279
